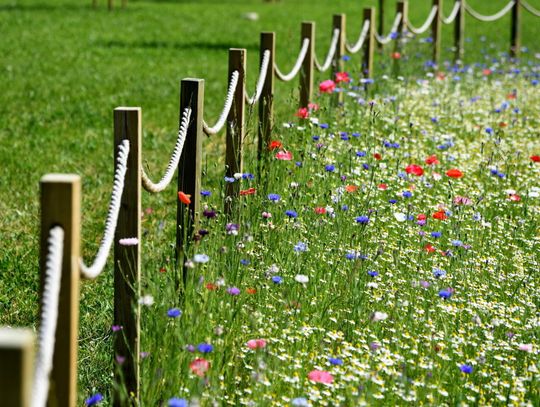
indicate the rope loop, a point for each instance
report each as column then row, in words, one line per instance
column 296, row 68
column 226, row 107
column 49, row 317
column 174, row 160
column 426, row 24
column 98, row 265
column 262, row 78
column 331, row 53
column 385, row 40
column 493, row 17
column 353, row 49
column 453, row 13
column 530, row 8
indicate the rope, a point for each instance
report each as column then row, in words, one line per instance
column 452, row 15
column 385, row 40
column 226, row 107
column 426, row 25
column 173, row 162
column 112, row 217
column 530, row 8
column 260, row 82
column 353, row 49
column 331, row 53
column 303, row 52
column 493, row 17
column 49, row 317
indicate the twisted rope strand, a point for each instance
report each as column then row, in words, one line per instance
column 173, row 162
column 426, row 25
column 301, row 56
column 331, row 53
column 97, row 266
column 385, row 40
column 530, row 8
column 49, row 317
column 493, row 17
column 353, row 49
column 226, row 107
column 453, row 13
column 262, row 78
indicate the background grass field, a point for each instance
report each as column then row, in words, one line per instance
column 66, row 66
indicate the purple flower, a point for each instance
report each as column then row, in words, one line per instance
column 176, row 402
column 93, row 400
column 233, row 290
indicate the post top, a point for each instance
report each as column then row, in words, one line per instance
column 16, row 337
column 129, row 109
column 193, row 79
column 60, row 178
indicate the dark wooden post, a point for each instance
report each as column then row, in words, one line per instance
column 369, row 43
column 94, row 3
column 190, row 165
column 515, row 30
column 61, row 205
column 16, row 369
column 235, row 127
column 127, row 259
column 110, row 4
column 459, row 32
column 266, row 103
column 436, row 31
column 339, row 23
column 306, row 73
column 380, row 25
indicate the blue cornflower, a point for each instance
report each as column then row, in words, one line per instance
column 274, row 197
column 363, row 220
column 350, row 255
column 315, row 138
column 229, row 179
column 300, row 402
column 323, row 125
column 244, row 262
column 457, row 243
column 465, row 368
column 436, row 235
column 93, row 400
column 360, row 153
column 205, row 193
column 205, row 347
column 489, row 130
column 438, row 273
column 356, row 134
column 174, row 313
column 176, row 402
column 346, row 58
column 329, row 168
column 365, row 166
column 291, row 214
column 406, row 194
column 345, row 207
column 501, row 174
column 298, row 163
column 392, row 201
column 373, row 273
column 277, row 280
column 300, row 247
column 445, row 294
column 335, row 361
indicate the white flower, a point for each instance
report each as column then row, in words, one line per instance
column 400, row 217
column 379, row 316
column 301, row 278
column 201, row 258
column 147, row 300
column 237, row 175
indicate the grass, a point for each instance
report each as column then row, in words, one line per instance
column 69, row 66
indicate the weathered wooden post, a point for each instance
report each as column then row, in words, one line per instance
column 459, row 32
column 190, row 165
column 110, row 4
column 369, row 43
column 235, row 128
column 515, row 30
column 16, row 369
column 380, row 25
column 436, row 31
column 127, row 258
column 306, row 73
column 61, row 205
column 266, row 102
column 339, row 23
column 403, row 8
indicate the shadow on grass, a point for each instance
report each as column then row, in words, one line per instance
column 158, row 44
column 45, row 7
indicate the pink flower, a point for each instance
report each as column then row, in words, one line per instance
column 199, row 366
column 284, row 155
column 313, row 107
column 256, row 344
column 303, row 113
column 526, row 347
column 327, row 86
column 320, row 376
column 342, row 77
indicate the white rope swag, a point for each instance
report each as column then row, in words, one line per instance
column 112, row 216
column 530, row 8
column 301, row 56
column 424, row 26
column 388, row 38
column 175, row 158
column 493, row 17
column 353, row 49
column 49, row 317
column 260, row 81
column 226, row 107
column 331, row 52
column 453, row 13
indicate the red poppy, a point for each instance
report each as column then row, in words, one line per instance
column 184, row 198
column 441, row 76
column 421, row 216
column 486, row 72
column 162, row 270
column 377, row 156
column 382, row 187
column 432, row 160
column 351, row 188
column 414, row 169
column 441, row 215
column 211, row 286
column 302, row 113
column 284, row 155
column 320, row 210
column 342, row 77
column 249, row 191
column 327, row 86
column 503, row 124
column 395, row 55
column 429, row 248
column 251, row 290
column 535, row 158
column 514, row 197
column 275, row 144
column 511, row 96
column 454, row 173
column 199, row 366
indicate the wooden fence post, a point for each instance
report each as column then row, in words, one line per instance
column 515, row 30
column 16, row 369
column 127, row 259
column 190, row 166
column 306, row 73
column 369, row 43
column 381, row 22
column 235, row 127
column 266, row 103
column 403, row 8
column 110, row 4
column 436, row 31
column 61, row 205
column 339, row 23
column 459, row 32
